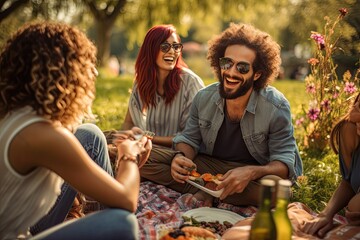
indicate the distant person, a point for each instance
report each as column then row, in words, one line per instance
column 164, row 86
column 345, row 141
column 239, row 127
column 47, row 86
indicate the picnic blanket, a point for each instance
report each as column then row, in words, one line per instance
column 160, row 207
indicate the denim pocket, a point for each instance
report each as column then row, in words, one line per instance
column 259, row 138
column 204, row 123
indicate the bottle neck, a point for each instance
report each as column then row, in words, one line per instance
column 283, row 196
column 266, row 195
column 282, row 203
column 283, row 192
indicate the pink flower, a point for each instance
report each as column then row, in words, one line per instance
column 350, row 87
column 343, row 12
column 299, row 121
column 319, row 39
column 310, row 88
column 326, row 105
column 313, row 114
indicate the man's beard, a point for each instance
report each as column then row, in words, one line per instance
column 242, row 89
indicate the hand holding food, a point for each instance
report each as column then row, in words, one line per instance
column 207, row 179
column 180, row 166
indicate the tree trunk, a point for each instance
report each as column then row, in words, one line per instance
column 105, row 19
column 104, row 31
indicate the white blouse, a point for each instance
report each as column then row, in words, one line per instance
column 166, row 120
column 24, row 199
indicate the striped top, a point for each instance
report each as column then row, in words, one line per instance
column 24, row 199
column 166, row 120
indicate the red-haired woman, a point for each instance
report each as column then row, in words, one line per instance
column 345, row 141
column 164, row 86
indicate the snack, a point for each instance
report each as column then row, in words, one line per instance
column 189, row 233
column 213, row 226
column 206, row 177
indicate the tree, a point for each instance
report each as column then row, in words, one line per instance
column 6, row 7
column 105, row 15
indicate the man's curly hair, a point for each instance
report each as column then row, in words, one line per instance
column 267, row 60
column 51, row 68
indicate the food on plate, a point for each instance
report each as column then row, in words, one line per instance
column 213, row 226
column 189, row 233
column 206, row 177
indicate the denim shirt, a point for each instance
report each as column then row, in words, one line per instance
column 266, row 126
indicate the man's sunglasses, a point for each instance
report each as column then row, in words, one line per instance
column 165, row 47
column 227, row 63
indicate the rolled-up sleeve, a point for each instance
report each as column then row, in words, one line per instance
column 282, row 143
column 191, row 134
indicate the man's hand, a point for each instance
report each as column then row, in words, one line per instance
column 180, row 166
column 235, row 181
column 319, row 226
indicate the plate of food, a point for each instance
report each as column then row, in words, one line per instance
column 209, row 214
column 201, row 223
column 206, row 182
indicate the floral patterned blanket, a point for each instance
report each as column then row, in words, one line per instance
column 160, row 208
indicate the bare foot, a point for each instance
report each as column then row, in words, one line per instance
column 204, row 197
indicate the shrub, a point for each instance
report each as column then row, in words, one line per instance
column 329, row 101
column 329, row 96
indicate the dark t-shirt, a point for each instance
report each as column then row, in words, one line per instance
column 230, row 145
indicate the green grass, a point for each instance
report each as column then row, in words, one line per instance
column 321, row 174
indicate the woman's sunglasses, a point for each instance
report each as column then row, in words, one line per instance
column 227, row 63
column 165, row 47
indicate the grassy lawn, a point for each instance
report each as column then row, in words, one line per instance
column 113, row 93
column 321, row 173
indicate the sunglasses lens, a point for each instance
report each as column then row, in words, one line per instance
column 165, row 47
column 226, row 63
column 243, row 67
column 177, row 47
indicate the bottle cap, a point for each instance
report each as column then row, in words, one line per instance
column 267, row 182
column 285, row 183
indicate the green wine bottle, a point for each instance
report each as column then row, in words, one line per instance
column 281, row 217
column 263, row 226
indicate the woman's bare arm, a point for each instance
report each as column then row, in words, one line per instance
column 58, row 150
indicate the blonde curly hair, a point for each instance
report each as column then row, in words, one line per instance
column 51, row 68
column 267, row 60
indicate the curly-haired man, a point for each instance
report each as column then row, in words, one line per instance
column 239, row 127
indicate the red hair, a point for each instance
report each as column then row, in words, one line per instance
column 145, row 67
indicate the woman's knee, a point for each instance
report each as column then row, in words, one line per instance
column 94, row 142
column 126, row 222
column 354, row 205
column 89, row 131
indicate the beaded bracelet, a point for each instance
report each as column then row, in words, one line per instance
column 135, row 159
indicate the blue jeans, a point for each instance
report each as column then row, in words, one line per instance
column 94, row 143
column 106, row 224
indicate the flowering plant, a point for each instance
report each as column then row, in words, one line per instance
column 329, row 96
